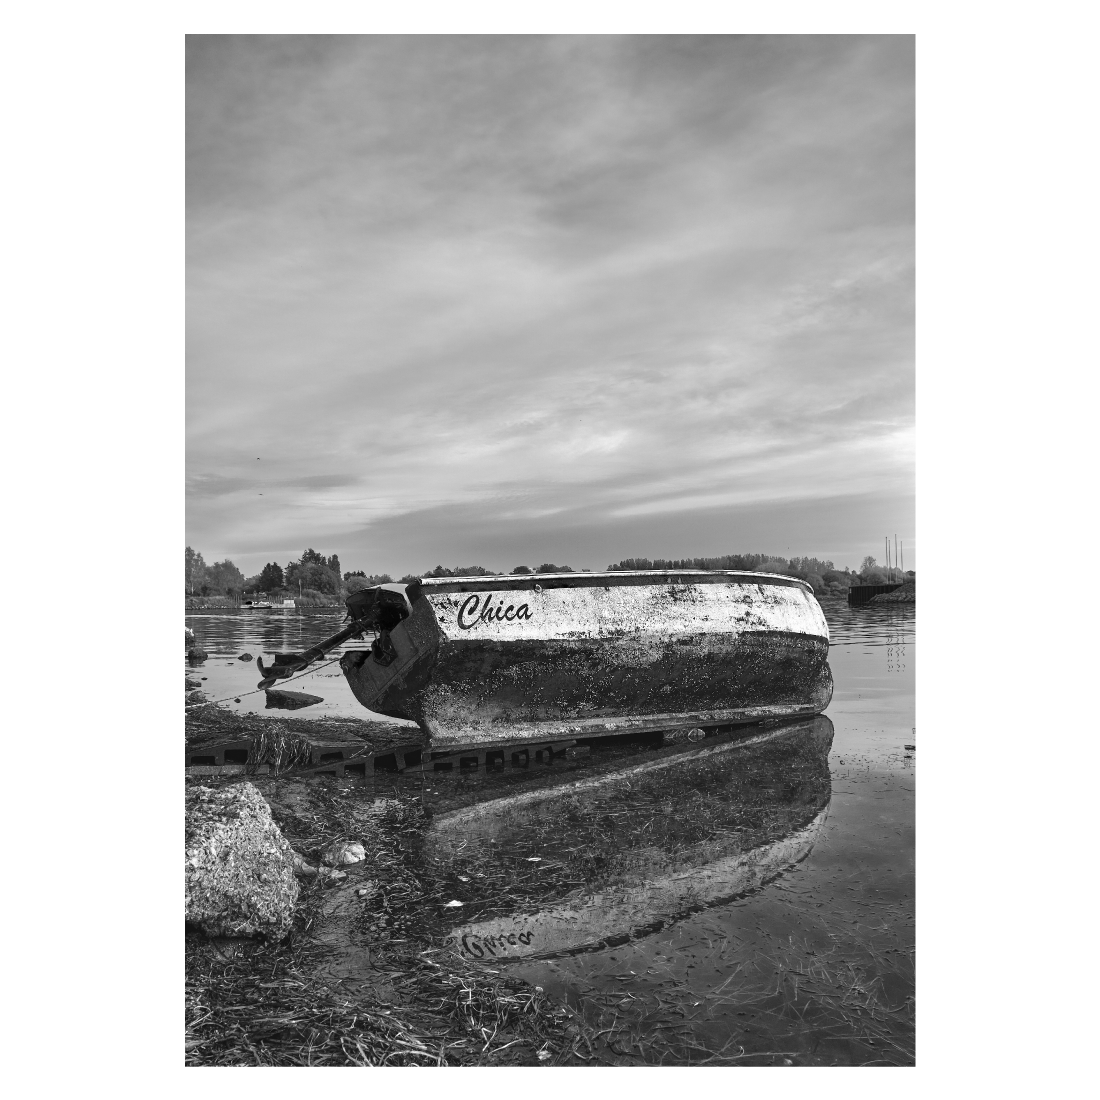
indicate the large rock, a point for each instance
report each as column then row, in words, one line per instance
column 239, row 868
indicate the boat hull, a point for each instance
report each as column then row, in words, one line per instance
column 501, row 660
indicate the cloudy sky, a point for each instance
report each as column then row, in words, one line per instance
column 508, row 300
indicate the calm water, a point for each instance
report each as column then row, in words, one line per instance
column 755, row 905
column 226, row 634
column 817, row 967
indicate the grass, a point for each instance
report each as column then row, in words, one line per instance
column 260, row 1006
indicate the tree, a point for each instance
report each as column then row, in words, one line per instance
column 358, row 581
column 521, row 569
column 312, row 575
column 271, row 577
column 194, row 570
column 805, row 566
column 224, row 578
column 775, row 565
column 549, row 568
column 459, row 571
column 868, row 564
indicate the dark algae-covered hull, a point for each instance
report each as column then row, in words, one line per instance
column 486, row 660
column 617, row 855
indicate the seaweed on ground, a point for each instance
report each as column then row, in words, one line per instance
column 215, row 723
column 252, row 1003
column 262, row 1007
column 276, row 745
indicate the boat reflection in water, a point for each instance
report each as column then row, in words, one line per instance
column 617, row 855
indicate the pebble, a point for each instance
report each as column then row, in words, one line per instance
column 343, row 852
column 245, row 657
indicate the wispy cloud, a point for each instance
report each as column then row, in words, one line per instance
column 577, row 281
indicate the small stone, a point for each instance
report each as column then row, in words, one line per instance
column 343, row 852
column 245, row 657
column 192, row 682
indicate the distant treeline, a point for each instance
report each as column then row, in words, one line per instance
column 823, row 576
column 754, row 562
column 317, row 579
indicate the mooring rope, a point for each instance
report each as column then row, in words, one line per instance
column 256, row 691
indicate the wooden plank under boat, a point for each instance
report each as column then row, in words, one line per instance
column 547, row 657
column 619, row 855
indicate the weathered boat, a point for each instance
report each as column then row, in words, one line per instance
column 551, row 657
column 616, row 856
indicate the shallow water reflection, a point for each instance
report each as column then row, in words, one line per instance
column 615, row 856
column 817, row 967
column 770, row 920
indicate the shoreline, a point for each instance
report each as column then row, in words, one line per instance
column 406, row 1001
